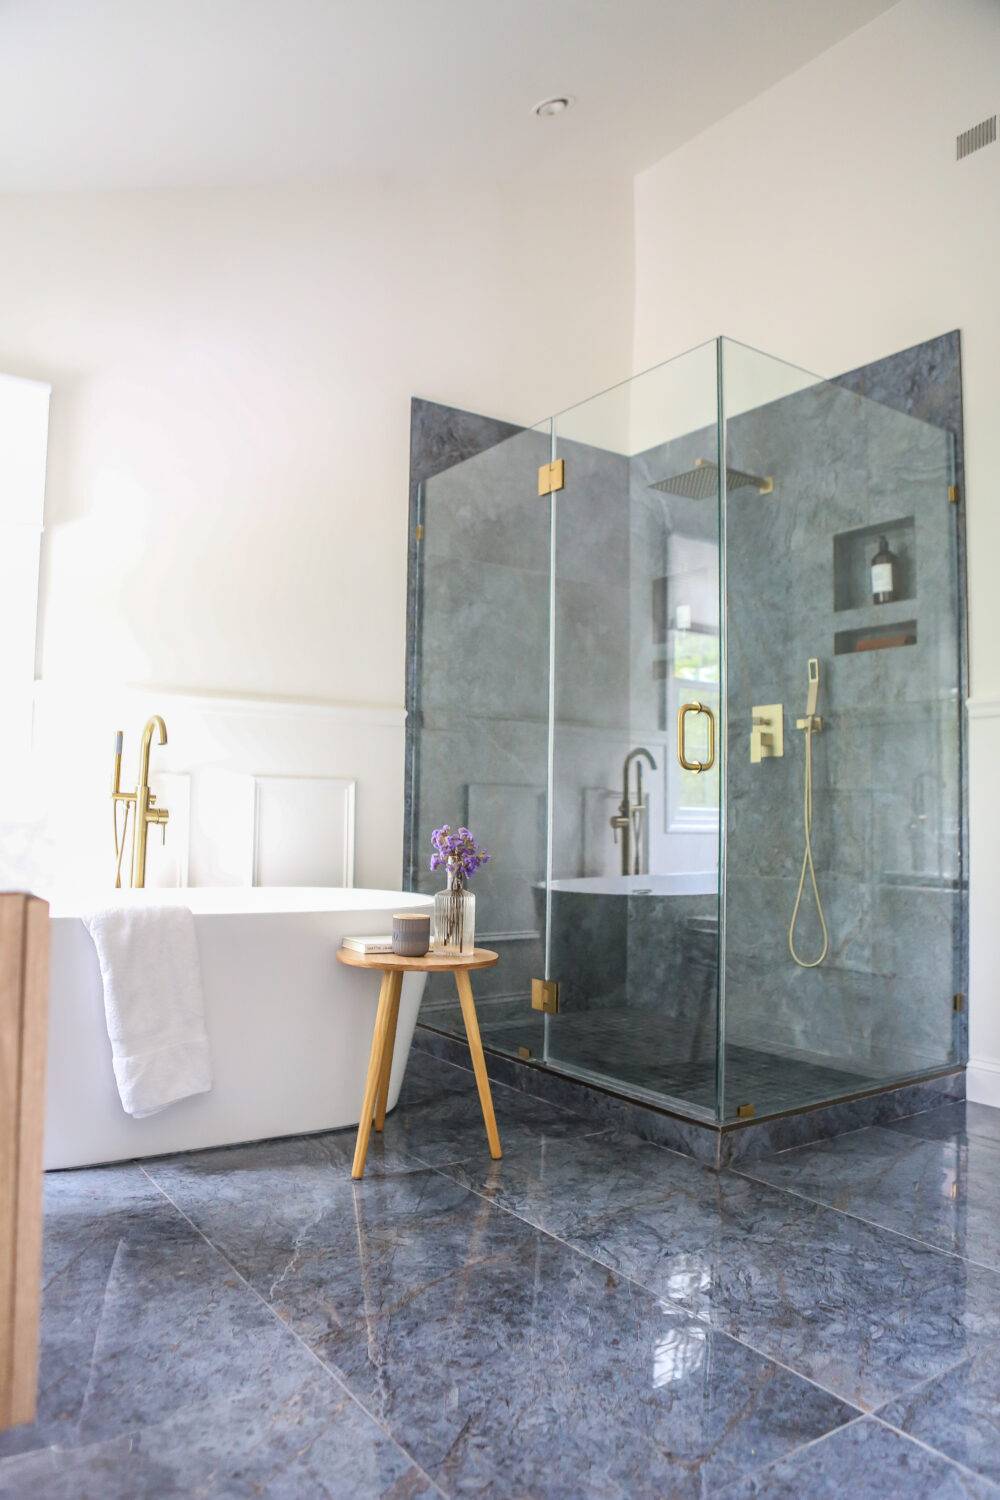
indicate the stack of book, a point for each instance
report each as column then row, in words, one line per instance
column 380, row 944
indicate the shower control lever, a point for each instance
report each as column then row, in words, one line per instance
column 767, row 732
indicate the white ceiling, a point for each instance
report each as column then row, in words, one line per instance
column 112, row 94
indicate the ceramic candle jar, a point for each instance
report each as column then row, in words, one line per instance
column 411, row 934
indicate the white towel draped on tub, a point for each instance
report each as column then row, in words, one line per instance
column 153, row 1004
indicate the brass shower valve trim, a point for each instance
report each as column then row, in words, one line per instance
column 767, row 732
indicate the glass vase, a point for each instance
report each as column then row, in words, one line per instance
column 454, row 920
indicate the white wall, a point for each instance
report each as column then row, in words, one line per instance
column 231, row 374
column 24, row 415
column 828, row 222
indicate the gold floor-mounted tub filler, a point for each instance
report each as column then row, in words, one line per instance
column 141, row 802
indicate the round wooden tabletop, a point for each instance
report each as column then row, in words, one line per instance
column 430, row 963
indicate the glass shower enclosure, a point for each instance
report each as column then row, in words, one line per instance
column 721, row 784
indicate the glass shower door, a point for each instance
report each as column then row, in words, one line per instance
column 636, row 739
column 481, row 695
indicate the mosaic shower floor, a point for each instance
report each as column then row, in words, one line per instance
column 592, row 1318
column 646, row 1050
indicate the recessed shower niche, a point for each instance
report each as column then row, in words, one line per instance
column 562, row 643
column 875, row 638
column 852, row 559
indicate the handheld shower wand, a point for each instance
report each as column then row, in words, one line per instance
column 811, row 724
column 813, row 693
column 116, row 797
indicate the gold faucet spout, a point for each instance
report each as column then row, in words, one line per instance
column 153, row 724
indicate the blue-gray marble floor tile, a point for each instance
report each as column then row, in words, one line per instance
column 943, row 1191
column 540, row 1373
column 866, row 1313
column 952, row 1122
column 147, row 1330
column 957, row 1412
column 866, row 1460
column 329, row 1254
column 316, row 1442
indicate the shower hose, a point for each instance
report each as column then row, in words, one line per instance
column 120, row 844
column 808, row 868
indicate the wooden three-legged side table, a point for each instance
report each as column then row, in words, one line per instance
column 393, row 967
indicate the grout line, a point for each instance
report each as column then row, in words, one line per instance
column 327, row 1369
column 912, row 1239
column 459, row 1161
column 827, row 1140
column 761, row 1474
column 923, row 1385
column 822, row 1140
column 938, row 1453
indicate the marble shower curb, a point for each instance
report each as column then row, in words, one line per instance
column 716, row 1145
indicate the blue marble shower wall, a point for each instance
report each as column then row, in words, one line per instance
column 543, row 647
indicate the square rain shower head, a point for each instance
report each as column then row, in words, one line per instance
column 701, row 482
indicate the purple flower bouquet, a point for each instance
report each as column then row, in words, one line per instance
column 455, row 907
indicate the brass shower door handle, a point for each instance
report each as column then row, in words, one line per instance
column 682, row 713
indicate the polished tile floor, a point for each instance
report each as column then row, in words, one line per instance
column 591, row 1317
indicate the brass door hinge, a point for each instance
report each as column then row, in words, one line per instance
column 745, row 1112
column 418, row 532
column 545, row 996
column 953, row 493
column 958, row 1002
column 551, row 477
column 524, row 1053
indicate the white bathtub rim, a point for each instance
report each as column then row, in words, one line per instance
column 239, row 901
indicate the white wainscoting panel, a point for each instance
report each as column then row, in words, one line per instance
column 167, row 851
column 303, row 830
column 224, row 744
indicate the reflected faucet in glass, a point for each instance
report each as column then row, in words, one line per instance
column 630, row 822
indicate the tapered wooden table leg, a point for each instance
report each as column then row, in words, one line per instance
column 396, row 983
column 468, row 1005
column 373, row 1080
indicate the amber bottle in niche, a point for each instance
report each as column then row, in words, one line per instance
column 884, row 565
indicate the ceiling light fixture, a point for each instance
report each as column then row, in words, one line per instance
column 554, row 106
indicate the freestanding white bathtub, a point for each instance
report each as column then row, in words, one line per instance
column 290, row 1028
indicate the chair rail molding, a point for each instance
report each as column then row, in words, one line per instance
column 983, row 708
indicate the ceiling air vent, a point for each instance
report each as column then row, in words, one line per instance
column 974, row 139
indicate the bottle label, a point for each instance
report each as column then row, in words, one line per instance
column 882, row 578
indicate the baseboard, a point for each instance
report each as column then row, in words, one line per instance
column 982, row 1085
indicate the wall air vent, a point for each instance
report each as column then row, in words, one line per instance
column 983, row 134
